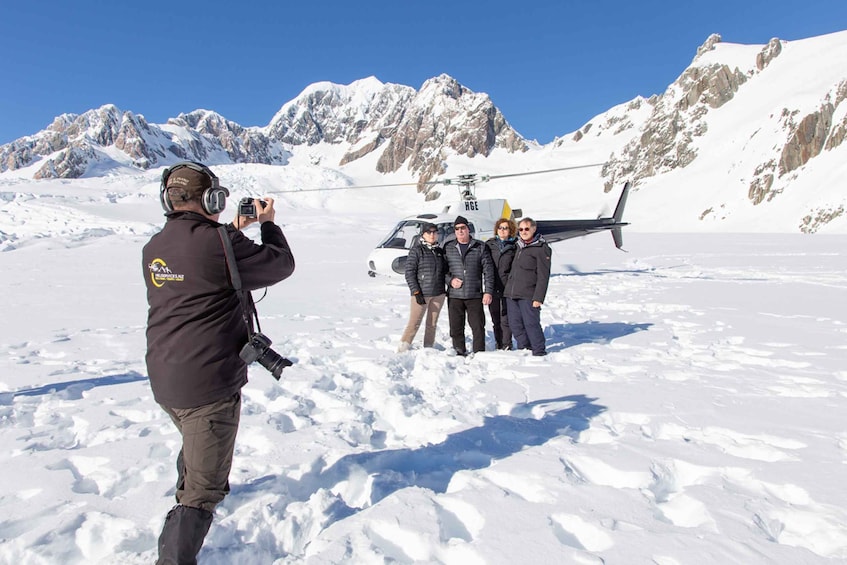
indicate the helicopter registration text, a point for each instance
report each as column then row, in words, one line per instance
column 471, row 205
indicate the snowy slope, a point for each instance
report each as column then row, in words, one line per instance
column 690, row 410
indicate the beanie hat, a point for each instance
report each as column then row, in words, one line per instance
column 460, row 221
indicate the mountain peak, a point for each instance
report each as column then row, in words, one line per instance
column 367, row 115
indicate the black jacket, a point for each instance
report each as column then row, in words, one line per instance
column 195, row 327
column 502, row 255
column 476, row 269
column 530, row 272
column 425, row 270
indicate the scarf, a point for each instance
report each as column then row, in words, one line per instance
column 428, row 245
column 536, row 238
column 505, row 243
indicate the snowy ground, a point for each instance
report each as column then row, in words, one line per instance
column 692, row 409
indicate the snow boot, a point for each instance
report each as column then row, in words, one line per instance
column 182, row 535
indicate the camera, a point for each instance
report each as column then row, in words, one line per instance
column 259, row 349
column 247, row 208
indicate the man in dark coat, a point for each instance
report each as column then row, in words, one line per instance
column 470, row 276
column 425, row 270
column 527, row 287
column 196, row 328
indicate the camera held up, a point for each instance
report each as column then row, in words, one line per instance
column 247, row 208
column 259, row 349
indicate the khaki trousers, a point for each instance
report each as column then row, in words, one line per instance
column 417, row 313
column 208, row 441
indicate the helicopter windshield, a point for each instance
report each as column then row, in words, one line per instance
column 406, row 233
column 403, row 235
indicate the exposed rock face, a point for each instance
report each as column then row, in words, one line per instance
column 678, row 117
column 621, row 119
column 760, row 187
column 68, row 163
column 409, row 127
column 412, row 128
column 819, row 218
column 807, row 140
column 714, row 86
column 444, row 115
column 768, row 53
column 132, row 140
column 708, row 45
column 839, row 130
column 72, row 142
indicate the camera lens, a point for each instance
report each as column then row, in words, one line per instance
column 259, row 349
column 274, row 362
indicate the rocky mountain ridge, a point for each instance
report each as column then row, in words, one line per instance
column 763, row 114
column 666, row 139
column 418, row 129
column 789, row 121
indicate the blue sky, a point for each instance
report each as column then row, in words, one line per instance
column 549, row 66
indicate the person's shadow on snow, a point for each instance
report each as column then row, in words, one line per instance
column 562, row 336
column 433, row 466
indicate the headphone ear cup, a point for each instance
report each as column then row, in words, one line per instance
column 214, row 200
column 164, row 197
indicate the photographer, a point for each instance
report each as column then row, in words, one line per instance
column 196, row 327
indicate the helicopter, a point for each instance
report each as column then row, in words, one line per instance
column 389, row 257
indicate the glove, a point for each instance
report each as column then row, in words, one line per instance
column 419, row 298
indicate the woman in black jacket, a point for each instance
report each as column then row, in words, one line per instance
column 502, row 247
column 425, row 270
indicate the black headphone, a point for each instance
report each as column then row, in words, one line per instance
column 213, row 200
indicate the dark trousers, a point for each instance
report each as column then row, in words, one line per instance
column 203, row 465
column 208, row 441
column 525, row 322
column 457, row 310
column 500, row 319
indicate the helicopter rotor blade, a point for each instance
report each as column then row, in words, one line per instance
column 491, row 177
column 459, row 181
column 349, row 187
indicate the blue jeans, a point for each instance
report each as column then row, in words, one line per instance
column 525, row 322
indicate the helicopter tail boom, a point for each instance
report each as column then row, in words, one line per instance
column 560, row 230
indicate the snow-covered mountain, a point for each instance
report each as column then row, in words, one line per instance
column 766, row 118
column 419, row 129
column 747, row 138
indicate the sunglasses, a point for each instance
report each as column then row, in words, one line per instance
column 524, row 229
column 460, row 228
column 431, row 231
column 503, row 228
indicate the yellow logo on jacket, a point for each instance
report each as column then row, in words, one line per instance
column 160, row 273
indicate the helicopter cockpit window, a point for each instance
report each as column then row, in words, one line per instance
column 403, row 236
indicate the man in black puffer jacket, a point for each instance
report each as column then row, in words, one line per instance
column 425, row 270
column 196, row 328
column 470, row 276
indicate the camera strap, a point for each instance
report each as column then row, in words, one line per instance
column 247, row 307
